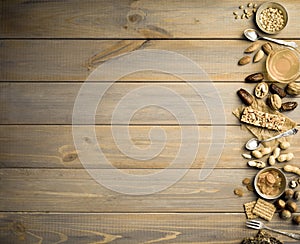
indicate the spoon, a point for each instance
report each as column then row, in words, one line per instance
column 252, row 35
column 254, row 143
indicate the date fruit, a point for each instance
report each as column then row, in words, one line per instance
column 245, row 96
column 288, row 106
column 277, row 90
column 256, row 77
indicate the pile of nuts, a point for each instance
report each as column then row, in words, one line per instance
column 248, row 11
column 272, row 19
column 259, row 53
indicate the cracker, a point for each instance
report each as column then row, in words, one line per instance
column 264, row 209
column 249, row 206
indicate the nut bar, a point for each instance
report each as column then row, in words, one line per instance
column 262, row 119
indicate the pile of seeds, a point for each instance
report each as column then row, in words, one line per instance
column 247, row 11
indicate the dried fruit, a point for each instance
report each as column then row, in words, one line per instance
column 258, row 56
column 267, row 48
column 245, row 96
column 277, row 90
column 274, row 102
column 253, row 47
column 293, row 88
column 288, row 106
column 244, row 60
column 261, row 90
column 297, row 195
column 256, row 77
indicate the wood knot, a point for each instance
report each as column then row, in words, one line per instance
column 135, row 16
column 70, row 156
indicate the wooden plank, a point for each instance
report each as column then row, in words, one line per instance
column 130, row 19
column 144, row 103
column 74, row 60
column 70, row 190
column 131, row 228
column 53, row 147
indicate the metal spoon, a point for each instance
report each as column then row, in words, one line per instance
column 254, row 143
column 252, row 35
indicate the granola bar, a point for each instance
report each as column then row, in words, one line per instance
column 262, row 119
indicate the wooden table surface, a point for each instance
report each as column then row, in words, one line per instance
column 48, row 50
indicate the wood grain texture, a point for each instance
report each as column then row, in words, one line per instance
column 53, row 103
column 130, row 228
column 74, row 60
column 70, row 190
column 130, row 19
column 53, row 147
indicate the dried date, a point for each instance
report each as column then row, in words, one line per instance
column 277, row 90
column 256, row 77
column 245, row 96
column 288, row 106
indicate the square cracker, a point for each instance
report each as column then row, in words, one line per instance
column 249, row 206
column 264, row 209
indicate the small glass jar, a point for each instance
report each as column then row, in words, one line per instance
column 283, row 65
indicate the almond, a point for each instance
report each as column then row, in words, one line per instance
column 253, row 47
column 258, row 56
column 267, row 48
column 244, row 60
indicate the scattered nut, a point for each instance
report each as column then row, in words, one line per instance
column 297, row 195
column 276, row 152
column 265, row 150
column 257, row 164
column 277, row 90
column 256, row 77
column 293, row 89
column 267, row 48
column 246, row 156
column 280, row 204
column 261, row 90
column 285, row 214
column 245, row 96
column 253, row 47
column 288, row 106
column 241, row 7
column 284, row 145
column 272, row 160
column 291, row 169
column 293, row 184
column 274, row 102
column 246, row 181
column 246, row 59
column 239, row 192
column 291, row 206
column 285, row 157
column 257, row 154
column 258, row 56
column 296, row 219
column 288, row 194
